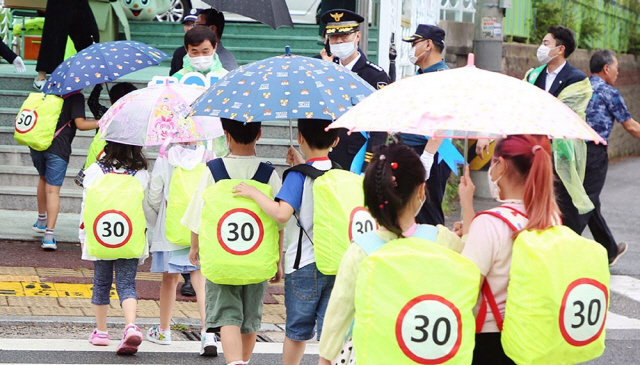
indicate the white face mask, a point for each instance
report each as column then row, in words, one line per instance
column 543, row 54
column 343, row 50
column 495, row 189
column 412, row 55
column 201, row 63
column 493, row 185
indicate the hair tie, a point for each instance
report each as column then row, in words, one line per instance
column 535, row 148
column 394, row 165
column 382, row 157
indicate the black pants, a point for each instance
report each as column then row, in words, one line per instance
column 7, row 53
column 488, row 350
column 431, row 212
column 63, row 18
column 594, row 179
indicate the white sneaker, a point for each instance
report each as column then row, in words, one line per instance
column 39, row 84
column 209, row 344
column 161, row 337
column 19, row 65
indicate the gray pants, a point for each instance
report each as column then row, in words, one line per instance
column 126, row 270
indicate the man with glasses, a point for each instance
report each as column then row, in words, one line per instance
column 343, row 36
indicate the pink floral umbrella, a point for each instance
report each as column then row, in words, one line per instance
column 158, row 115
column 466, row 102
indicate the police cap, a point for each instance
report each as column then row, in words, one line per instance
column 341, row 21
column 426, row 31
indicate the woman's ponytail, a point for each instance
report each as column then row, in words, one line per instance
column 531, row 157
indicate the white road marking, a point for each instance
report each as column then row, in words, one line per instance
column 626, row 286
column 618, row 322
column 146, row 346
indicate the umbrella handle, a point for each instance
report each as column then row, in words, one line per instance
column 163, row 148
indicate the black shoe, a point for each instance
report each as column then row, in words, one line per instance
column 187, row 289
column 622, row 249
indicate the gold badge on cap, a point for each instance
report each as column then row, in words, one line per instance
column 336, row 16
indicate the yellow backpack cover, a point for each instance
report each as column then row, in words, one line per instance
column 339, row 214
column 35, row 124
column 238, row 241
column 96, row 150
column 414, row 303
column 558, row 297
column 113, row 217
column 181, row 188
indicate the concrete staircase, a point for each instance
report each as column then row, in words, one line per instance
column 18, row 177
column 248, row 42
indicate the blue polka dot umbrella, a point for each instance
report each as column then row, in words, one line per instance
column 101, row 62
column 283, row 87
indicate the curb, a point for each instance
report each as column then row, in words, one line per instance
column 111, row 322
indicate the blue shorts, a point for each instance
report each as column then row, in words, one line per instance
column 306, row 296
column 51, row 166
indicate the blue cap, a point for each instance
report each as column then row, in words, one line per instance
column 191, row 17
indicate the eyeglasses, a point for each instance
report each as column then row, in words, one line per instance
column 418, row 41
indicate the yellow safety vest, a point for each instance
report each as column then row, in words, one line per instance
column 96, row 150
column 181, row 188
column 35, row 124
column 558, row 295
column 238, row 241
column 113, row 217
column 429, row 293
column 339, row 214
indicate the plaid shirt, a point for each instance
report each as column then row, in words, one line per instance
column 606, row 105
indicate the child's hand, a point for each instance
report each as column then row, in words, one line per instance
column 193, row 256
column 466, row 188
column 294, row 157
column 245, row 190
column 457, row 228
column 433, row 144
column 278, row 277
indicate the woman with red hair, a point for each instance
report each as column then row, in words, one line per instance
column 521, row 178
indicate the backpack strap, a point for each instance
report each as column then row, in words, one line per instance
column 516, row 220
column 487, row 296
column 61, row 128
column 263, row 174
column 426, row 232
column 309, row 171
column 218, row 170
column 369, row 242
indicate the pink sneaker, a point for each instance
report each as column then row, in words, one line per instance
column 130, row 340
column 99, row 339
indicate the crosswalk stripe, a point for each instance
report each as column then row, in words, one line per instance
column 626, row 286
column 146, row 346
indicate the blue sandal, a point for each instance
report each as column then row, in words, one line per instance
column 49, row 245
column 38, row 228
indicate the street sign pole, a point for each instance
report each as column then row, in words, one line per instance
column 489, row 31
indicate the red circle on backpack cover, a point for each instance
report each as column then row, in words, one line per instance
column 99, row 238
column 246, row 217
column 35, row 119
column 583, row 312
column 357, row 215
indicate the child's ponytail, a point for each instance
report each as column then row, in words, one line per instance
column 390, row 181
column 530, row 155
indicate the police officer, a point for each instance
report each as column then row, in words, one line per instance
column 343, row 35
column 427, row 44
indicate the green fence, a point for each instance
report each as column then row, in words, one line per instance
column 597, row 23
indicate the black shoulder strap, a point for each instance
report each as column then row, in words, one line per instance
column 263, row 174
column 218, row 170
column 309, row 170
